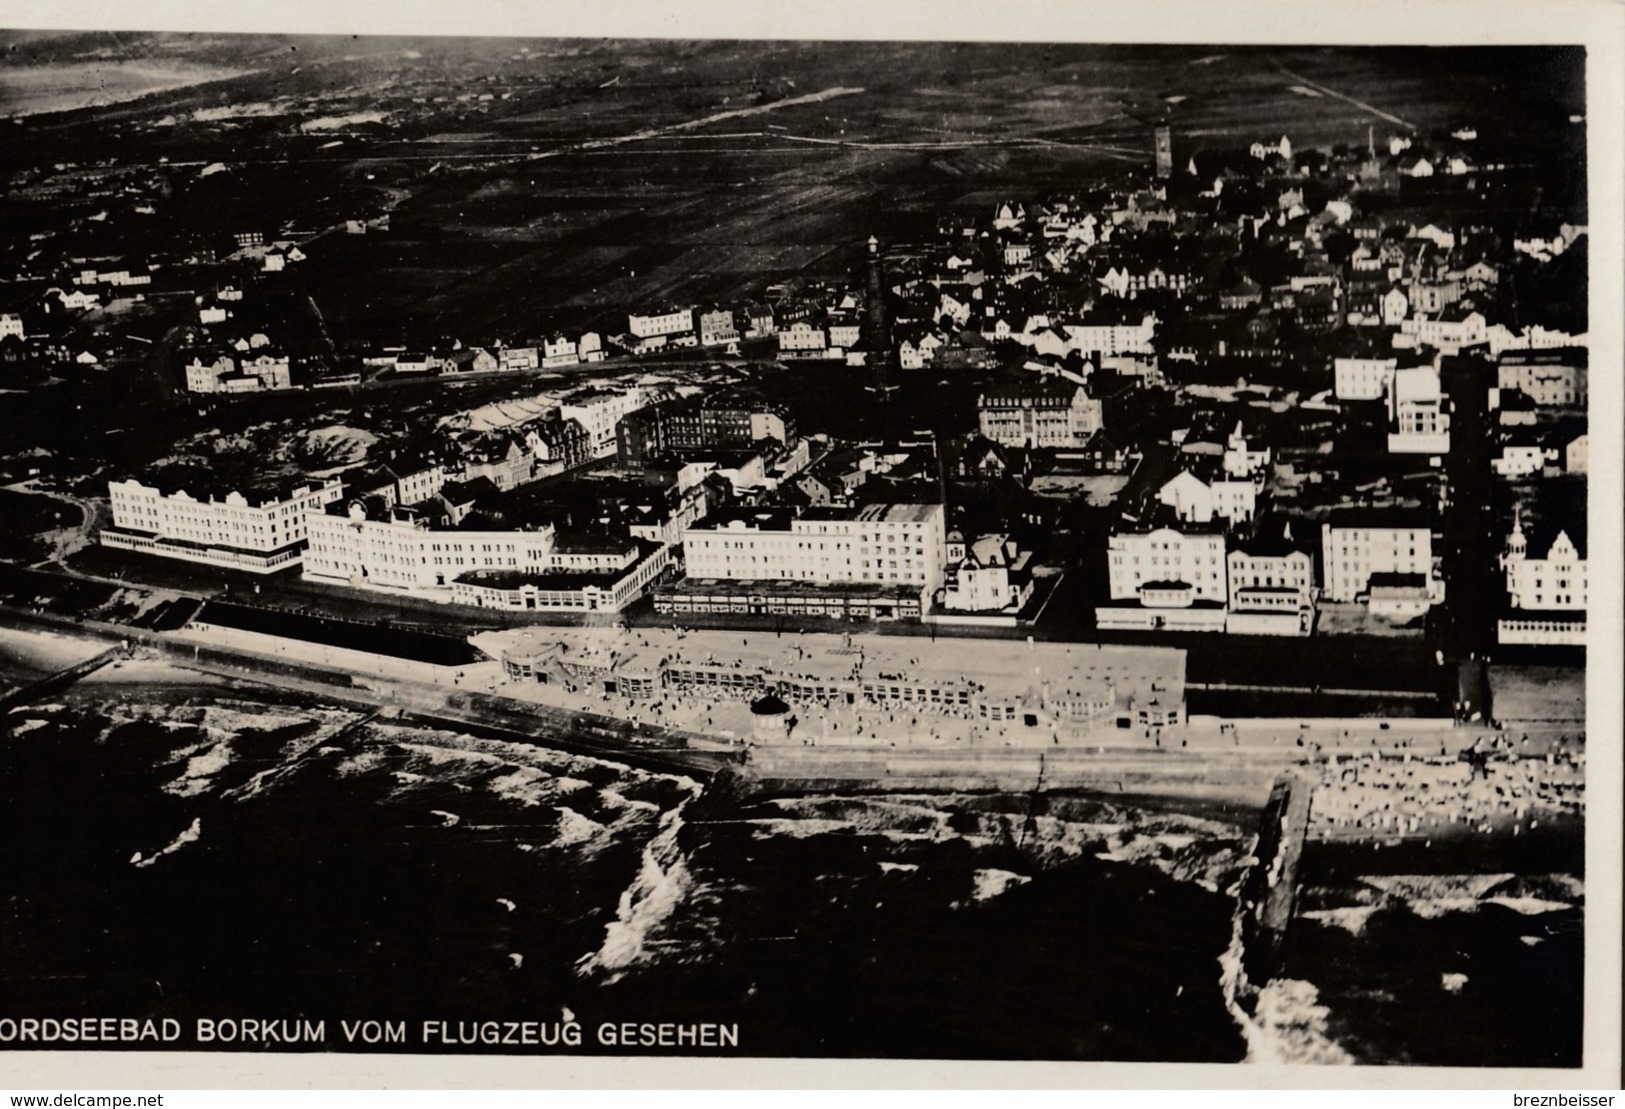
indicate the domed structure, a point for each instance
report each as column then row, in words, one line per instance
column 770, row 719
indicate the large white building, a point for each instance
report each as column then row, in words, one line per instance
column 1272, row 587
column 1362, row 378
column 1143, row 565
column 1551, row 379
column 257, row 531
column 1175, row 581
column 1555, row 581
column 677, row 321
column 601, row 411
column 413, row 549
column 888, row 544
column 401, row 547
column 1051, row 413
column 11, row 325
column 1353, row 548
column 1548, row 594
column 1113, row 338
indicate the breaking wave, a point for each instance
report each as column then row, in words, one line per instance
column 1352, row 919
column 1292, row 1025
column 189, row 836
column 992, row 882
column 663, row 882
column 575, row 828
column 200, row 770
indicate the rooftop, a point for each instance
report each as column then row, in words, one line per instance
column 998, row 667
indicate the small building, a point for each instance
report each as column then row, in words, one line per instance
column 559, row 350
column 989, row 574
column 473, row 360
column 1576, row 454
column 1418, row 413
column 1520, row 457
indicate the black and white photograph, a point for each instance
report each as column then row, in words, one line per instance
column 1028, row 550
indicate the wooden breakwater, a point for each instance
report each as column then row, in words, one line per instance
column 1269, row 887
column 62, row 679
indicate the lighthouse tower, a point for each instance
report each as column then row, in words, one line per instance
column 880, row 352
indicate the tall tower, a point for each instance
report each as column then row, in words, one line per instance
column 880, row 352
column 1165, row 153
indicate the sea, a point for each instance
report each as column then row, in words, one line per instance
column 236, row 853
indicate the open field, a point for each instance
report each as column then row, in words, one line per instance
column 546, row 184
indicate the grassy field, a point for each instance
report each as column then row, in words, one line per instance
column 603, row 174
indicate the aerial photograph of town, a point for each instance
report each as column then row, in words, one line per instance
column 821, row 550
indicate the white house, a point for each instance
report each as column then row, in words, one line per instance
column 1395, row 307
column 1576, row 455
column 1242, row 460
column 988, row 574
column 1196, row 501
column 803, row 339
column 1418, row 415
column 1548, row 594
column 1140, row 561
column 1519, row 460
column 1450, row 331
column 559, row 350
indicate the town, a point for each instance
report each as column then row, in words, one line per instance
column 1218, row 396
column 1395, row 381
column 709, row 462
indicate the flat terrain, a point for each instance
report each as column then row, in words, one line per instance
column 536, row 184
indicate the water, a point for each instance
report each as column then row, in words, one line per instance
column 219, row 858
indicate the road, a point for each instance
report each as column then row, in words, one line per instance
column 1335, row 95
column 66, row 541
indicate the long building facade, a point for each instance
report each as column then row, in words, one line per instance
column 261, row 532
column 369, row 545
column 885, row 544
column 1044, row 414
